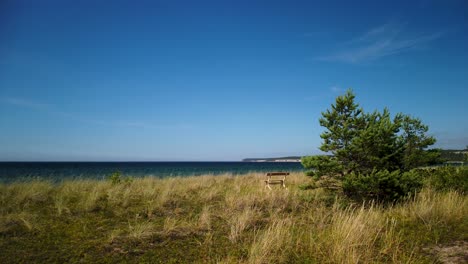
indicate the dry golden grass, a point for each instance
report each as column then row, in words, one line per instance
column 17, row 222
column 352, row 235
column 114, row 234
column 204, row 221
column 170, row 225
column 60, row 203
column 140, row 230
column 275, row 243
column 235, row 219
column 242, row 221
column 22, row 194
column 433, row 208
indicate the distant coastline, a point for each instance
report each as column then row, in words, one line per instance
column 449, row 155
column 281, row 159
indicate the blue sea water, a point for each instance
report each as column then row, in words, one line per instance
column 57, row 171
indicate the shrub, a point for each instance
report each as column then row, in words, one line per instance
column 448, row 178
column 117, row 178
column 383, row 186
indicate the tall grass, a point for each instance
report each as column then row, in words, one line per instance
column 274, row 244
column 241, row 222
column 18, row 222
column 140, row 230
column 433, row 209
column 357, row 235
column 25, row 194
column 226, row 219
column 204, row 220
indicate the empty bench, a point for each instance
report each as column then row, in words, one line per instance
column 275, row 178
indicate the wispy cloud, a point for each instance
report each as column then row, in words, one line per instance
column 324, row 93
column 336, row 89
column 379, row 42
column 51, row 109
column 138, row 124
column 25, row 103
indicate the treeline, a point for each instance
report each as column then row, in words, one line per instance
column 453, row 155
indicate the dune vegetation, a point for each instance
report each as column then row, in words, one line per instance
column 220, row 219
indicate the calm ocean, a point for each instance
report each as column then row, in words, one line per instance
column 56, row 171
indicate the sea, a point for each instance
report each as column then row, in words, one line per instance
column 58, row 171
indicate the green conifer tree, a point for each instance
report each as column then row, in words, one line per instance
column 360, row 142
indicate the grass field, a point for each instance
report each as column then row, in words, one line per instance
column 220, row 219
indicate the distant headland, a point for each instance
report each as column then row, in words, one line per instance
column 447, row 155
column 281, row 159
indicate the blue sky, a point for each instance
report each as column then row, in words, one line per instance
column 220, row 80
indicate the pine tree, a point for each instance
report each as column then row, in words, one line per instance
column 343, row 122
column 360, row 142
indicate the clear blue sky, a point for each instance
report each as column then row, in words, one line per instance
column 220, row 80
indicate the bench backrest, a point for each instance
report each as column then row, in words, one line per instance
column 277, row 174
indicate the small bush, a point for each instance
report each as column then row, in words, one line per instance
column 448, row 178
column 382, row 185
column 307, row 186
column 117, row 178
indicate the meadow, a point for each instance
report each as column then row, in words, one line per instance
column 223, row 219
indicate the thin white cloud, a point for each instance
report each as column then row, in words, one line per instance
column 25, row 103
column 379, row 42
column 138, row 124
column 336, row 89
column 388, row 30
column 324, row 92
column 47, row 108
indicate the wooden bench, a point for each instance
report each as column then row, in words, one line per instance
column 275, row 178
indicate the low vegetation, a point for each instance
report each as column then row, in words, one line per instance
column 222, row 219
